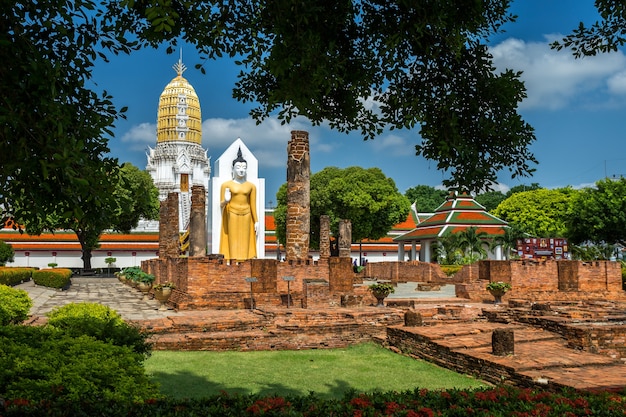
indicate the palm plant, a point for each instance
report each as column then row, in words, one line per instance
column 472, row 241
column 507, row 241
column 448, row 250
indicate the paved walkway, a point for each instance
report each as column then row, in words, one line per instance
column 127, row 301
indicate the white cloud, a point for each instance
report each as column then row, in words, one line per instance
column 555, row 79
column 391, row 145
column 141, row 135
column 617, row 83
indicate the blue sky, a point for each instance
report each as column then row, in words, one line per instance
column 577, row 108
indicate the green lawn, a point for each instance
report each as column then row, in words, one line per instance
column 327, row 372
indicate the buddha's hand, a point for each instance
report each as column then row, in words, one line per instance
column 227, row 195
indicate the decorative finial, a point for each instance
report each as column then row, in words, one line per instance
column 179, row 67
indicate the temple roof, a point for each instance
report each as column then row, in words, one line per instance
column 458, row 213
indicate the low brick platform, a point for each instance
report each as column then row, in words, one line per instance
column 541, row 358
column 267, row 329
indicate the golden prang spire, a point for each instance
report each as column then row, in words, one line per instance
column 179, row 117
column 179, row 67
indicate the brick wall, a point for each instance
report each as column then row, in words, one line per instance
column 543, row 280
column 206, row 283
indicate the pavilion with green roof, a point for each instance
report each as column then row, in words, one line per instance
column 458, row 213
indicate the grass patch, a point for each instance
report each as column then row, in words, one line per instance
column 328, row 372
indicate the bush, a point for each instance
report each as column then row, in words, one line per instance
column 13, row 276
column 53, row 278
column 450, row 270
column 14, row 305
column 6, row 253
column 43, row 364
column 100, row 322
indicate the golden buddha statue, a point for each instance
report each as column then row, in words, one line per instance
column 239, row 216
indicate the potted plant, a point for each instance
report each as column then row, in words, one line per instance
column 131, row 275
column 109, row 261
column 498, row 289
column 162, row 293
column 381, row 291
column 144, row 282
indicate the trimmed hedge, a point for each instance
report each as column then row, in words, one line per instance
column 14, row 276
column 53, row 278
column 14, row 305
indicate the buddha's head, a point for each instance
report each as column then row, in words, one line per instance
column 240, row 166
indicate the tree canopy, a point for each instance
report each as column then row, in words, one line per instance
column 490, row 199
column 366, row 65
column 366, row 197
column 426, row 198
column 52, row 122
column 540, row 213
column 121, row 197
column 360, row 66
column 605, row 35
column 598, row 214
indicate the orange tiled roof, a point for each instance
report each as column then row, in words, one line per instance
column 456, row 214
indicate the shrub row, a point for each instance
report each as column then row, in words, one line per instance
column 14, row 276
column 53, row 278
column 498, row 401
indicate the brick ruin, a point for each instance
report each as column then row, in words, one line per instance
column 582, row 302
column 210, row 282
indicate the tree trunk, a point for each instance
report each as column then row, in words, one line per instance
column 86, row 257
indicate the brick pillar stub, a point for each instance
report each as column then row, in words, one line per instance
column 168, row 227
column 324, row 236
column 503, row 342
column 298, row 197
column 197, row 222
column 345, row 238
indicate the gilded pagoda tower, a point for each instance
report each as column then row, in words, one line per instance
column 179, row 162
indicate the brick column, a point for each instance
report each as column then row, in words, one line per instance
column 298, row 196
column 168, row 227
column 324, row 236
column 345, row 238
column 197, row 222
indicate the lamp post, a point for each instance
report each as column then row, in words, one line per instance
column 288, row 279
column 251, row 280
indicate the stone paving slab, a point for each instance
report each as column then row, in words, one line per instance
column 588, row 378
column 543, row 355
